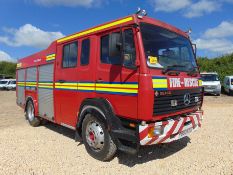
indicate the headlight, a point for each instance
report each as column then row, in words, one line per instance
column 155, row 131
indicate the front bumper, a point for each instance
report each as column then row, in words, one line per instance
column 173, row 129
column 212, row 90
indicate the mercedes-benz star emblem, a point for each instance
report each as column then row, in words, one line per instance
column 187, row 99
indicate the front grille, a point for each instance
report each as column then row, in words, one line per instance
column 210, row 87
column 162, row 100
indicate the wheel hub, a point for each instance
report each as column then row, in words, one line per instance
column 95, row 135
column 92, row 136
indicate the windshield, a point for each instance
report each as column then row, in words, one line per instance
column 166, row 49
column 3, row 82
column 209, row 77
column 231, row 81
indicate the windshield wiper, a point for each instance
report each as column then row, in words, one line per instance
column 169, row 69
column 193, row 72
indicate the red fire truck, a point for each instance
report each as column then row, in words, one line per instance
column 121, row 85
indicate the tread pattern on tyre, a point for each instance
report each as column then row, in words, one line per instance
column 112, row 150
column 112, row 147
column 35, row 122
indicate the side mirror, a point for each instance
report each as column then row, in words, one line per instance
column 128, row 62
column 115, row 44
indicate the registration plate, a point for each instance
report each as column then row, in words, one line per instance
column 209, row 90
column 186, row 132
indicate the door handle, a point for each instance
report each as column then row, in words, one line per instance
column 61, row 81
column 99, row 80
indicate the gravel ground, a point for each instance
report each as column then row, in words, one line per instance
column 50, row 149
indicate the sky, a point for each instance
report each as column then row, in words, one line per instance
column 28, row 26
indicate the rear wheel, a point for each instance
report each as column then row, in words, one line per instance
column 97, row 139
column 30, row 115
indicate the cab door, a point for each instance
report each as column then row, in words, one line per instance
column 114, row 82
column 66, row 83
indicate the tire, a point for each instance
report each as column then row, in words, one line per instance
column 97, row 139
column 30, row 115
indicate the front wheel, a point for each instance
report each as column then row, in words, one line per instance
column 97, row 139
column 30, row 115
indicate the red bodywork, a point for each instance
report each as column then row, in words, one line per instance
column 67, row 103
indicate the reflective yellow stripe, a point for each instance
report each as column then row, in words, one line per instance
column 86, row 84
column 160, row 83
column 200, row 82
column 66, row 87
column 117, row 90
column 40, row 86
column 45, row 83
column 19, row 65
column 86, row 88
column 30, row 83
column 50, row 57
column 66, row 84
column 159, row 80
column 133, row 86
column 159, row 86
column 96, row 29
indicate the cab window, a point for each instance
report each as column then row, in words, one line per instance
column 106, row 57
column 85, row 53
column 112, row 46
column 129, row 50
column 70, row 53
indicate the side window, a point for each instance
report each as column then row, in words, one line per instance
column 70, row 53
column 228, row 82
column 105, row 49
column 129, row 51
column 106, row 41
column 85, row 53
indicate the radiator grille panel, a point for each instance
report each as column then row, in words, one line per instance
column 162, row 104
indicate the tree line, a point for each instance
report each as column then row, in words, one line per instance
column 7, row 68
column 222, row 65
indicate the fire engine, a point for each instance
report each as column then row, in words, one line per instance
column 121, row 85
